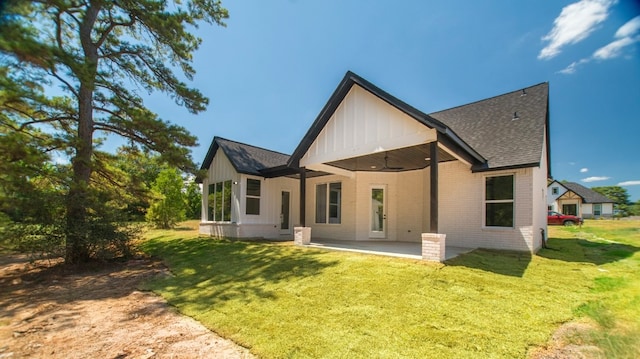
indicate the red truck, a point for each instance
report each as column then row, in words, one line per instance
column 563, row 219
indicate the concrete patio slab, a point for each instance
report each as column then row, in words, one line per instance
column 411, row 250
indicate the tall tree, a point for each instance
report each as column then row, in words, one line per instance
column 94, row 50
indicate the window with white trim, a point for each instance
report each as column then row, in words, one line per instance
column 329, row 202
column 253, row 196
column 219, row 202
column 555, row 190
column 597, row 209
column 499, row 201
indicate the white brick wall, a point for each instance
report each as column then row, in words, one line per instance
column 404, row 207
column 461, row 210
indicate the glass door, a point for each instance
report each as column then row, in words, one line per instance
column 378, row 215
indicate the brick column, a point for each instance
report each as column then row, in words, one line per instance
column 301, row 235
column 433, row 247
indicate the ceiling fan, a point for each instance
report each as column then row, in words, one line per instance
column 386, row 164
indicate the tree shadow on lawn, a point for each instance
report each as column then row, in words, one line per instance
column 582, row 250
column 207, row 271
column 502, row 262
column 569, row 250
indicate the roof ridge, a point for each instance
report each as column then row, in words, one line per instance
column 489, row 98
column 248, row 145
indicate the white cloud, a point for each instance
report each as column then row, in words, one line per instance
column 575, row 23
column 595, row 179
column 584, row 170
column 624, row 37
column 629, row 183
column 613, row 49
column 572, row 68
column 629, row 29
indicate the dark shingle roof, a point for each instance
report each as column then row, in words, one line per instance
column 588, row 195
column 484, row 132
column 489, row 127
column 245, row 158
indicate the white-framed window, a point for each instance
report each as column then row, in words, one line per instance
column 219, row 202
column 499, row 201
column 329, row 202
column 555, row 190
column 597, row 209
column 253, row 196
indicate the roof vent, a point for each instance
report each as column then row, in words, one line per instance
column 515, row 116
column 524, row 93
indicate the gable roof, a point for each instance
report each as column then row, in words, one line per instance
column 501, row 132
column 508, row 130
column 245, row 158
column 588, row 195
column 350, row 79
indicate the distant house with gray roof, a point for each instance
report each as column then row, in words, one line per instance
column 575, row 199
column 372, row 167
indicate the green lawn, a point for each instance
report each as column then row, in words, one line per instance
column 286, row 301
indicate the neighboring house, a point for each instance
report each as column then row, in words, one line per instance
column 578, row 200
column 372, row 167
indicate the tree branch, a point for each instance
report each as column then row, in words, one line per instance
column 112, row 25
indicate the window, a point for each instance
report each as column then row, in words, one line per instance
column 253, row 196
column 554, row 190
column 329, row 203
column 597, row 209
column 499, row 201
column 571, row 209
column 219, row 201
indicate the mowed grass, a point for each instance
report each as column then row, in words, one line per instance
column 286, row 301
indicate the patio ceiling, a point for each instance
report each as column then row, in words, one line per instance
column 397, row 160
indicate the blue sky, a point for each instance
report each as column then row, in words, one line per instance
column 272, row 69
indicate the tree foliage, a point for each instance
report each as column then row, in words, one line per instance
column 193, row 198
column 94, row 51
column 140, row 169
column 169, row 205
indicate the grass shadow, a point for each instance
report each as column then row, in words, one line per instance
column 510, row 263
column 208, row 272
column 586, row 251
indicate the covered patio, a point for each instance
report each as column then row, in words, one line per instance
column 412, row 250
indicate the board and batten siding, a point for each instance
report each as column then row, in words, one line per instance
column 264, row 225
column 364, row 124
column 221, row 170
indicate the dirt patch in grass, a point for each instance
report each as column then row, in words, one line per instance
column 47, row 311
column 568, row 342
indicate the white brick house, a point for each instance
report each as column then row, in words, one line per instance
column 372, row 167
column 575, row 199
